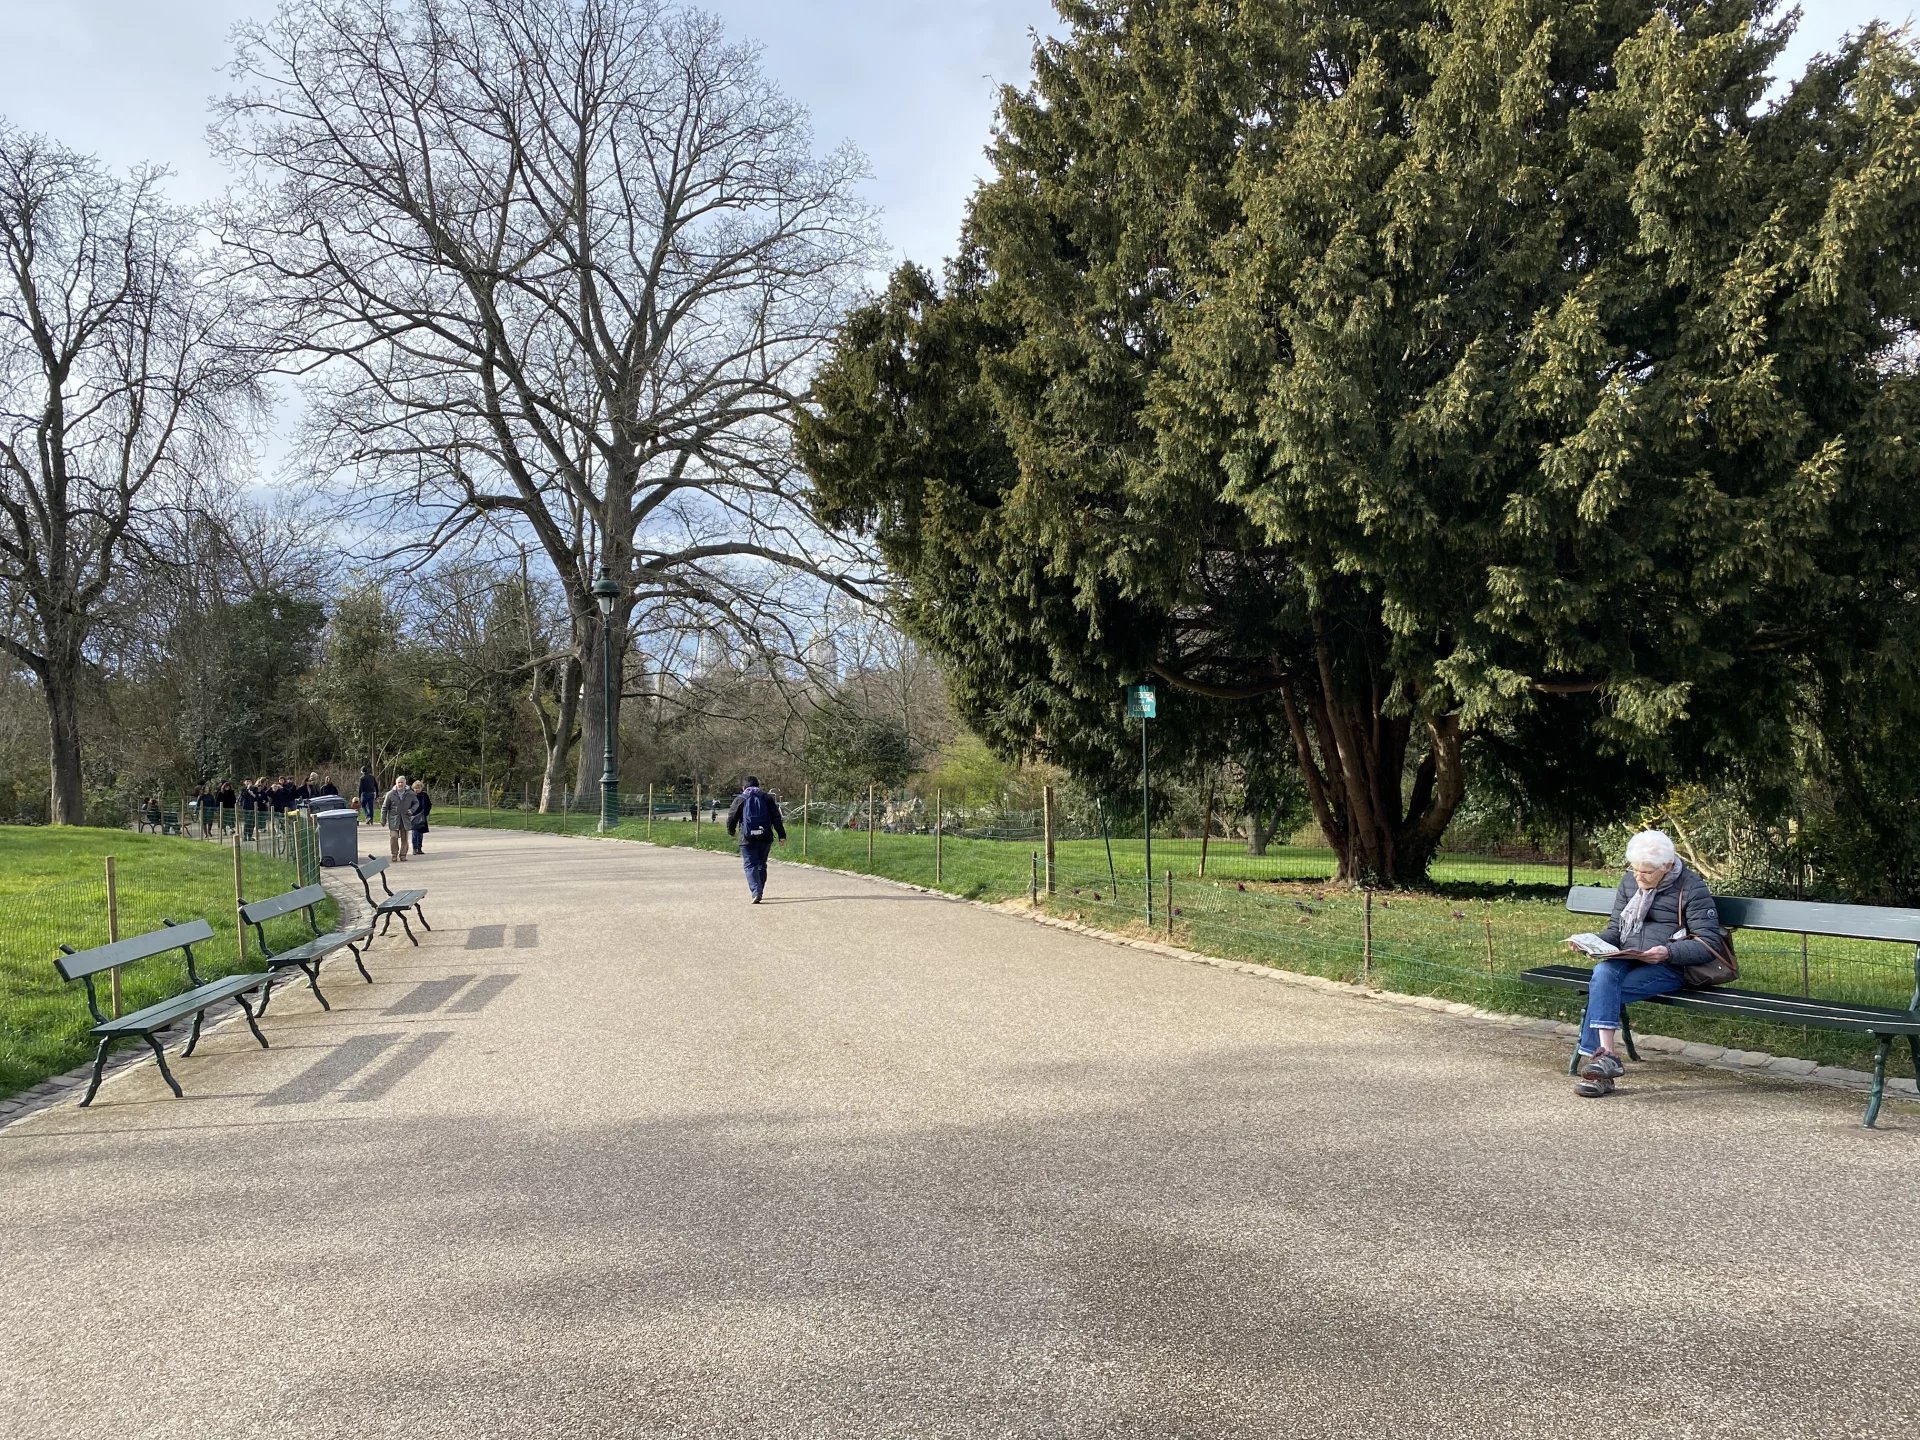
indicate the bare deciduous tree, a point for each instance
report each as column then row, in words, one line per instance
column 121, row 379
column 555, row 270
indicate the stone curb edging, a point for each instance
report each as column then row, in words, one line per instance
column 55, row 1088
column 1687, row 1052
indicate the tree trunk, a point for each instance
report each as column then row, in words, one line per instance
column 67, row 803
column 555, row 777
column 592, row 757
column 1354, row 758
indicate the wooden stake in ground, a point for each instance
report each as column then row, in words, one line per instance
column 1046, row 823
column 869, row 827
column 1206, row 826
column 1366, row 941
column 239, row 899
column 696, row 814
column 113, row 929
column 939, row 839
column 806, row 804
column 649, row 810
column 1169, row 904
column 1033, row 884
column 1486, row 920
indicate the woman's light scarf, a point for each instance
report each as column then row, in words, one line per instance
column 1635, row 915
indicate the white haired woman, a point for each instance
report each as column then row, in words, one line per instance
column 1664, row 913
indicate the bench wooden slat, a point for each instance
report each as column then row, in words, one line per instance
column 276, row 906
column 1757, row 1004
column 162, row 1013
column 320, row 946
column 400, row 900
column 137, row 947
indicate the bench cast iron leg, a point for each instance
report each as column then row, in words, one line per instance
column 313, row 983
column 266, row 994
column 386, row 922
column 247, row 1010
column 1879, row 1079
column 421, row 914
column 356, row 960
column 406, row 927
column 99, row 1069
column 1626, row 1034
column 160, row 1058
column 194, row 1039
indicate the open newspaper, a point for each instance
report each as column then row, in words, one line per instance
column 1591, row 944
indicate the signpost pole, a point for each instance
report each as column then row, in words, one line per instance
column 1146, row 817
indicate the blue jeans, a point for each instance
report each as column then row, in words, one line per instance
column 1616, row 985
column 753, row 856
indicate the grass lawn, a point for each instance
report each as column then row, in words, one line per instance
column 53, row 890
column 1468, row 942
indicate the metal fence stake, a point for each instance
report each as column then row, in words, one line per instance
column 649, row 810
column 939, row 839
column 806, row 807
column 1033, row 884
column 1169, row 904
column 869, row 827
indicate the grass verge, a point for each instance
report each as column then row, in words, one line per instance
column 53, row 891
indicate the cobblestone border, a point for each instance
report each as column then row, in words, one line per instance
column 58, row 1088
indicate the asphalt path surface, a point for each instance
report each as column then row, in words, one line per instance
column 613, row 1153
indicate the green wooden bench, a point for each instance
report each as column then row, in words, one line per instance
column 148, row 1023
column 306, row 956
column 394, row 902
column 1884, row 1023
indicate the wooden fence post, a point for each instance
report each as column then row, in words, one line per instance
column 1206, row 825
column 806, row 805
column 1046, row 800
column 1033, row 883
column 939, row 840
column 1486, row 919
column 1169, row 904
column 1366, row 945
column 869, row 827
column 239, row 899
column 649, row 810
column 113, row 929
column 696, row 814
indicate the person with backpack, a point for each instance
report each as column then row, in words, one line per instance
column 1669, row 936
column 755, row 815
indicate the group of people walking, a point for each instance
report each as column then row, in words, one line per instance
column 221, row 806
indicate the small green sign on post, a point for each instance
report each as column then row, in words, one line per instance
column 1143, row 704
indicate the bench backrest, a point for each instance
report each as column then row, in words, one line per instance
column 78, row 964
column 1797, row 917
column 370, row 867
column 83, row 965
column 275, row 906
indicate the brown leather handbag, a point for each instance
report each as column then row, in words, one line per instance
column 1722, row 968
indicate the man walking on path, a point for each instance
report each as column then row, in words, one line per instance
column 369, row 788
column 756, row 815
column 396, row 811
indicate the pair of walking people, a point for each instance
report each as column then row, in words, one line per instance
column 404, row 812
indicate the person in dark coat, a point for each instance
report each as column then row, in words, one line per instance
column 207, row 802
column 422, row 806
column 755, row 815
column 229, row 801
column 369, row 791
column 1665, row 919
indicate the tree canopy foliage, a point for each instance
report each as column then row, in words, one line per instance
column 1383, row 375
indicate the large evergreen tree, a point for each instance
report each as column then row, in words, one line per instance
column 1370, row 373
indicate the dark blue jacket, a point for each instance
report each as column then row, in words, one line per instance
column 738, row 811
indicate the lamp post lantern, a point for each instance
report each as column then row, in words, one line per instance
column 605, row 594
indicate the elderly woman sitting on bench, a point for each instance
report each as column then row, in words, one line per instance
column 1664, row 915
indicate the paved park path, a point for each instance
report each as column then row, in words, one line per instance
column 615, row 1154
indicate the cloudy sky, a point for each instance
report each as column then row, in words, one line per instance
column 910, row 82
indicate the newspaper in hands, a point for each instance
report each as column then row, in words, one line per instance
column 1590, row 944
